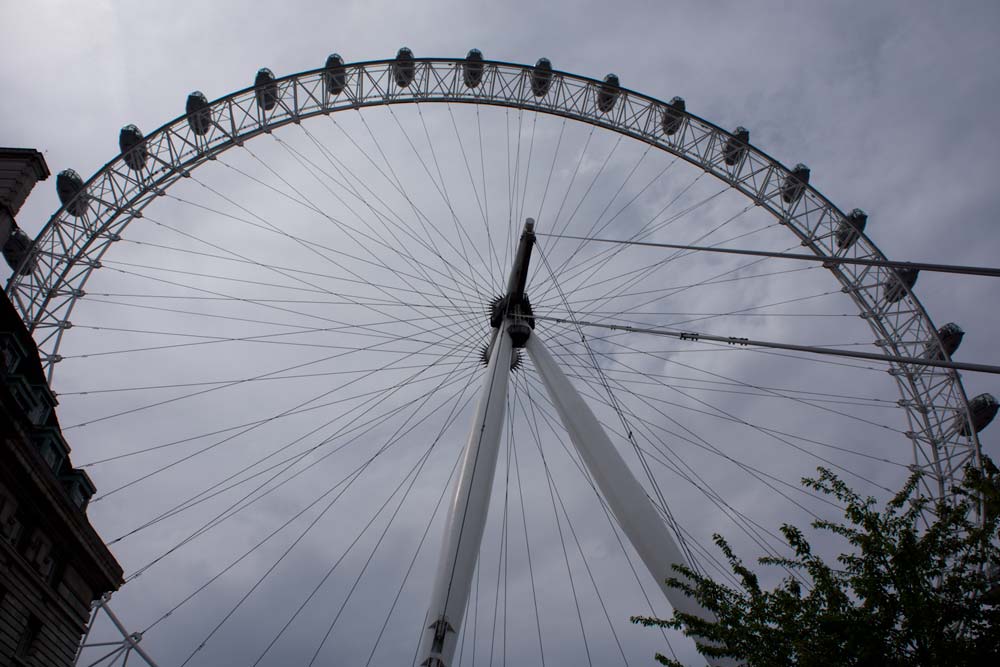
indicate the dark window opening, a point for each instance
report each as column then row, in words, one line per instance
column 28, row 645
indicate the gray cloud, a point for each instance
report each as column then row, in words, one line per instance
column 889, row 104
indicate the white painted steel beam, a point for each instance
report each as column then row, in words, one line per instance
column 628, row 501
column 467, row 514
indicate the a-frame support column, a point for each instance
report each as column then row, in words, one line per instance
column 628, row 501
column 463, row 531
column 466, row 521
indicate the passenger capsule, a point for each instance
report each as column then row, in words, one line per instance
column 541, row 77
column 673, row 116
column 736, row 146
column 850, row 228
column 133, row 147
column 607, row 95
column 795, row 183
column 950, row 336
column 17, row 250
column 404, row 69
column 335, row 75
column 472, row 68
column 895, row 288
column 199, row 113
column 982, row 410
column 69, row 187
column 266, row 88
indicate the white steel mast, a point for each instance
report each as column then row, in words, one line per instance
column 467, row 512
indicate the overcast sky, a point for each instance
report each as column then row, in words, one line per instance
column 892, row 106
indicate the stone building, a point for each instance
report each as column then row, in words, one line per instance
column 53, row 564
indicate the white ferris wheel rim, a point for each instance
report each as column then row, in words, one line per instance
column 69, row 248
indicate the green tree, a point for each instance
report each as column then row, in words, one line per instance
column 917, row 586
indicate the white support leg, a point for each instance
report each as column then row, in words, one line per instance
column 627, row 499
column 467, row 514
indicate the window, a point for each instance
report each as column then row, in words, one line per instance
column 28, row 644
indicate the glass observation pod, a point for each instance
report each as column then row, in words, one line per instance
column 673, row 116
column 404, row 69
column 472, row 68
column 541, row 77
column 69, row 187
column 133, row 147
column 17, row 250
column 266, row 88
column 608, row 93
column 982, row 409
column 950, row 336
column 736, row 146
column 199, row 114
column 895, row 288
column 795, row 183
column 335, row 75
column 850, row 228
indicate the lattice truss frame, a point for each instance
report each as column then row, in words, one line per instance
column 68, row 249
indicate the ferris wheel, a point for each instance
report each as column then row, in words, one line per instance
column 272, row 320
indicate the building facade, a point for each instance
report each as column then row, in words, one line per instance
column 53, row 564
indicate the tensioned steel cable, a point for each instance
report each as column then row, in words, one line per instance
column 719, row 348
column 275, row 416
column 503, row 558
column 715, row 413
column 363, row 408
column 595, row 264
column 285, row 553
column 479, row 201
column 286, row 464
column 309, row 204
column 596, row 226
column 348, row 479
column 552, row 168
column 297, row 376
column 639, row 273
column 422, row 218
column 272, row 306
column 586, row 565
column 745, row 523
column 309, row 245
column 552, row 421
column 803, row 401
column 527, row 170
column 236, row 507
column 204, row 391
column 445, row 488
column 383, row 217
column 284, row 269
column 562, row 540
column 449, row 420
column 554, row 424
column 987, row 271
column 577, row 164
column 642, row 273
column 621, row 415
column 443, row 191
column 527, row 542
column 750, row 342
column 698, row 441
column 270, row 373
column 664, row 292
